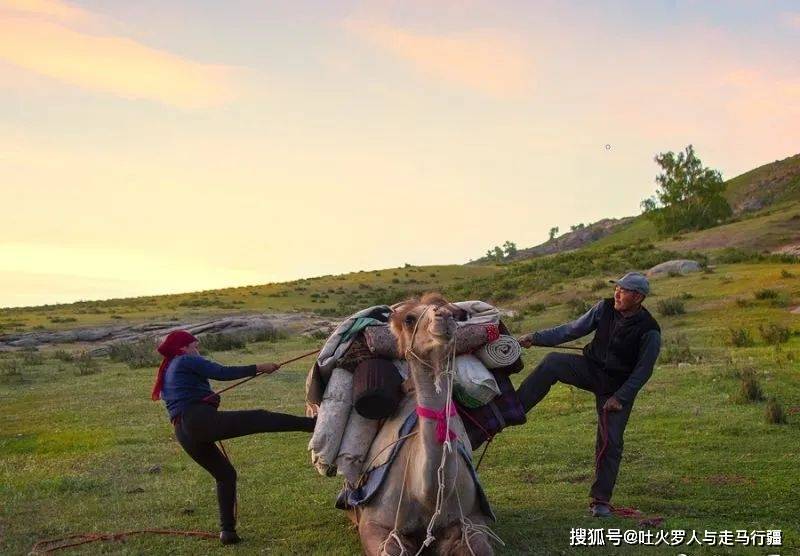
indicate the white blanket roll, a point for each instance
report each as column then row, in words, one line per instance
column 334, row 412
column 500, row 353
column 358, row 437
column 473, row 385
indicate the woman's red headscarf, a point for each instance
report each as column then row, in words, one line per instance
column 170, row 348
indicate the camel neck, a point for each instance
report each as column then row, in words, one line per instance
column 423, row 377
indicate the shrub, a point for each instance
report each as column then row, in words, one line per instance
column 63, row 355
column 533, row 309
column 578, row 307
column 786, row 274
column 677, row 350
column 671, row 306
column 741, row 337
column 774, row 333
column 749, row 387
column 742, row 302
column 599, row 285
column 766, row 294
column 11, row 371
column 32, row 358
column 137, row 354
column 775, row 414
column 62, row 319
column 85, row 364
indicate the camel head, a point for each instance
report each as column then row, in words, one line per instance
column 426, row 326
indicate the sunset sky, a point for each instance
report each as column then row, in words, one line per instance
column 153, row 147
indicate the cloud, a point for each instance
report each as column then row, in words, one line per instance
column 55, row 9
column 105, row 63
column 487, row 61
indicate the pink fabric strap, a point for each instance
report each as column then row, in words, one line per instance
column 442, row 431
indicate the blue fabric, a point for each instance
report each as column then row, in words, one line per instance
column 349, row 498
column 186, row 380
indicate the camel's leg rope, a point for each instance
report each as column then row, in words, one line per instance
column 394, row 534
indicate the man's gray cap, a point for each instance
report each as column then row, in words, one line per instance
column 634, row 281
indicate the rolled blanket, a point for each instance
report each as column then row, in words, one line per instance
column 334, row 411
column 502, row 352
column 469, row 337
column 473, row 385
column 381, row 341
column 358, row 437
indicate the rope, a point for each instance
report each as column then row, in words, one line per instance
column 394, row 533
column 234, row 385
column 236, row 492
column 52, row 545
column 621, row 511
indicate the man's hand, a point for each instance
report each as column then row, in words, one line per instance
column 526, row 341
column 612, row 404
column 268, row 368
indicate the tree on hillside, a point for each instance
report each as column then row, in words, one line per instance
column 689, row 196
column 553, row 232
column 576, row 227
column 510, row 249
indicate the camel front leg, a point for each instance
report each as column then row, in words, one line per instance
column 452, row 543
column 375, row 540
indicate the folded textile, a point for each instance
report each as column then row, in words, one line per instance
column 341, row 338
column 334, row 412
column 358, row 436
column 355, row 354
column 479, row 312
column 473, row 384
column 484, row 422
column 500, row 353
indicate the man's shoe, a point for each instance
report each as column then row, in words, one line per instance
column 228, row 537
column 601, row 510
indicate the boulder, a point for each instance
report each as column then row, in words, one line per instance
column 677, row 266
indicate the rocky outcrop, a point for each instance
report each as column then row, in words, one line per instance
column 676, row 266
column 99, row 338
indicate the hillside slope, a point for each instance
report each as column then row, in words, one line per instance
column 764, row 200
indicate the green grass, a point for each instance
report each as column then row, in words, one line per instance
column 75, row 450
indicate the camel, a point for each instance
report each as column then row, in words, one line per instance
column 398, row 519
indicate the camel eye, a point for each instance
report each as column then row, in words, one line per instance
column 410, row 320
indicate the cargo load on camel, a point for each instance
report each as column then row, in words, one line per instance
column 381, row 378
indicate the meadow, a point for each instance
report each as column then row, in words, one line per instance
column 83, row 449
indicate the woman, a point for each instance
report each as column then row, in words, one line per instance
column 182, row 382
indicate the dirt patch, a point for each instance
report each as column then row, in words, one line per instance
column 725, row 480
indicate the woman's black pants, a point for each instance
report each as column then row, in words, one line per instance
column 201, row 425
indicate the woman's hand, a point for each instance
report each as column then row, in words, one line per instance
column 267, row 368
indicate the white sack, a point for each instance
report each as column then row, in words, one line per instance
column 473, row 385
column 358, row 437
column 334, row 412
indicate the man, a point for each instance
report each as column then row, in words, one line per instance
column 614, row 366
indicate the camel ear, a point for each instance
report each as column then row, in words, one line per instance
column 396, row 328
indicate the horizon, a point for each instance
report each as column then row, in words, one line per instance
column 223, row 146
